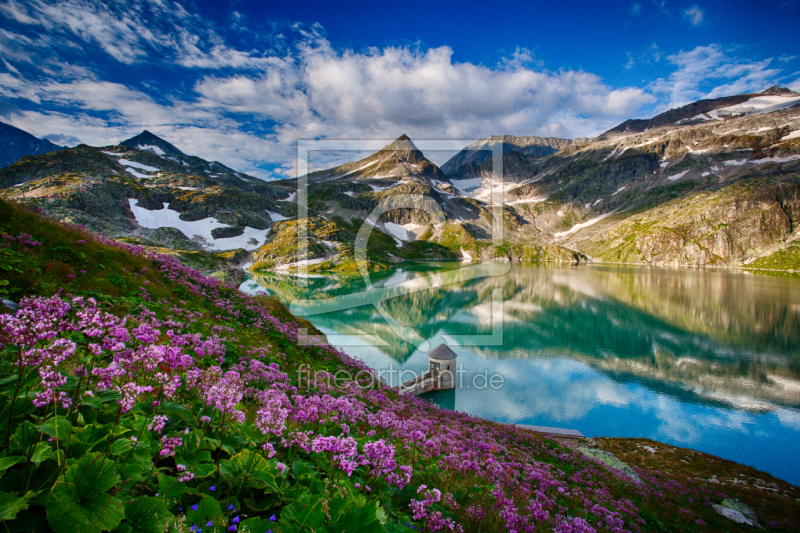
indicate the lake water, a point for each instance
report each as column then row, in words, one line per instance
column 708, row 360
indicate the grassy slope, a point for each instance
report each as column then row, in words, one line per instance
column 507, row 460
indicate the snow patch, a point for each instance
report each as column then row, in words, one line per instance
column 401, row 232
column 276, row 217
column 529, row 200
column 158, row 151
column 735, row 162
column 289, row 198
column 134, row 172
column 620, row 190
column 169, row 218
column 676, row 177
column 776, row 159
column 578, row 227
column 794, row 135
column 140, row 166
column 759, row 105
column 466, row 186
column 188, row 188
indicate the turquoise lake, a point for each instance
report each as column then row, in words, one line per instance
column 703, row 359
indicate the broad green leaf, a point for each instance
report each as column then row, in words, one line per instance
column 355, row 518
column 49, row 428
column 169, row 487
column 78, row 502
column 121, row 447
column 177, row 411
column 131, row 471
column 91, row 476
column 41, row 452
column 300, row 467
column 10, row 505
column 8, row 462
column 255, row 525
column 206, row 509
column 306, row 512
column 147, row 515
column 251, row 468
column 66, row 515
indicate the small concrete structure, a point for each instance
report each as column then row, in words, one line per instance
column 441, row 374
column 553, row 432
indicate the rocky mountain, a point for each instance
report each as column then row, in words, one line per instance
column 147, row 191
column 482, row 149
column 16, row 143
column 713, row 183
column 628, row 185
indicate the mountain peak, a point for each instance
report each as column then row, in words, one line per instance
column 779, row 91
column 151, row 142
column 402, row 144
column 16, row 143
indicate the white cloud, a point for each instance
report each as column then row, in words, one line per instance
column 710, row 72
column 382, row 93
column 265, row 97
column 694, row 15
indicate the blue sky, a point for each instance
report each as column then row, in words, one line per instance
column 240, row 81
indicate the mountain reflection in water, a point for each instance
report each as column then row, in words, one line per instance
column 706, row 359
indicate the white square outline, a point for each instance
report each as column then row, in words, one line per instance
column 304, row 146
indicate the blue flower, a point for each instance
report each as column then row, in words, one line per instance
column 212, row 488
column 230, row 507
column 210, row 524
column 193, row 507
column 236, row 520
column 272, row 518
column 232, row 528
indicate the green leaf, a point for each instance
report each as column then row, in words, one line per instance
column 255, row 525
column 169, row 487
column 8, row 462
column 41, row 452
column 49, row 428
column 79, row 503
column 300, row 467
column 90, row 476
column 251, row 469
column 66, row 515
column 355, row 518
column 131, row 471
column 121, row 447
column 10, row 505
column 207, row 509
column 148, row 515
column 306, row 511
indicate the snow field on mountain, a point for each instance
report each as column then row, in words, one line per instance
column 401, row 231
column 169, row 218
column 276, row 217
column 578, row 227
column 140, row 166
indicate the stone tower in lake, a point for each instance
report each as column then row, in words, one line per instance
column 442, row 366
